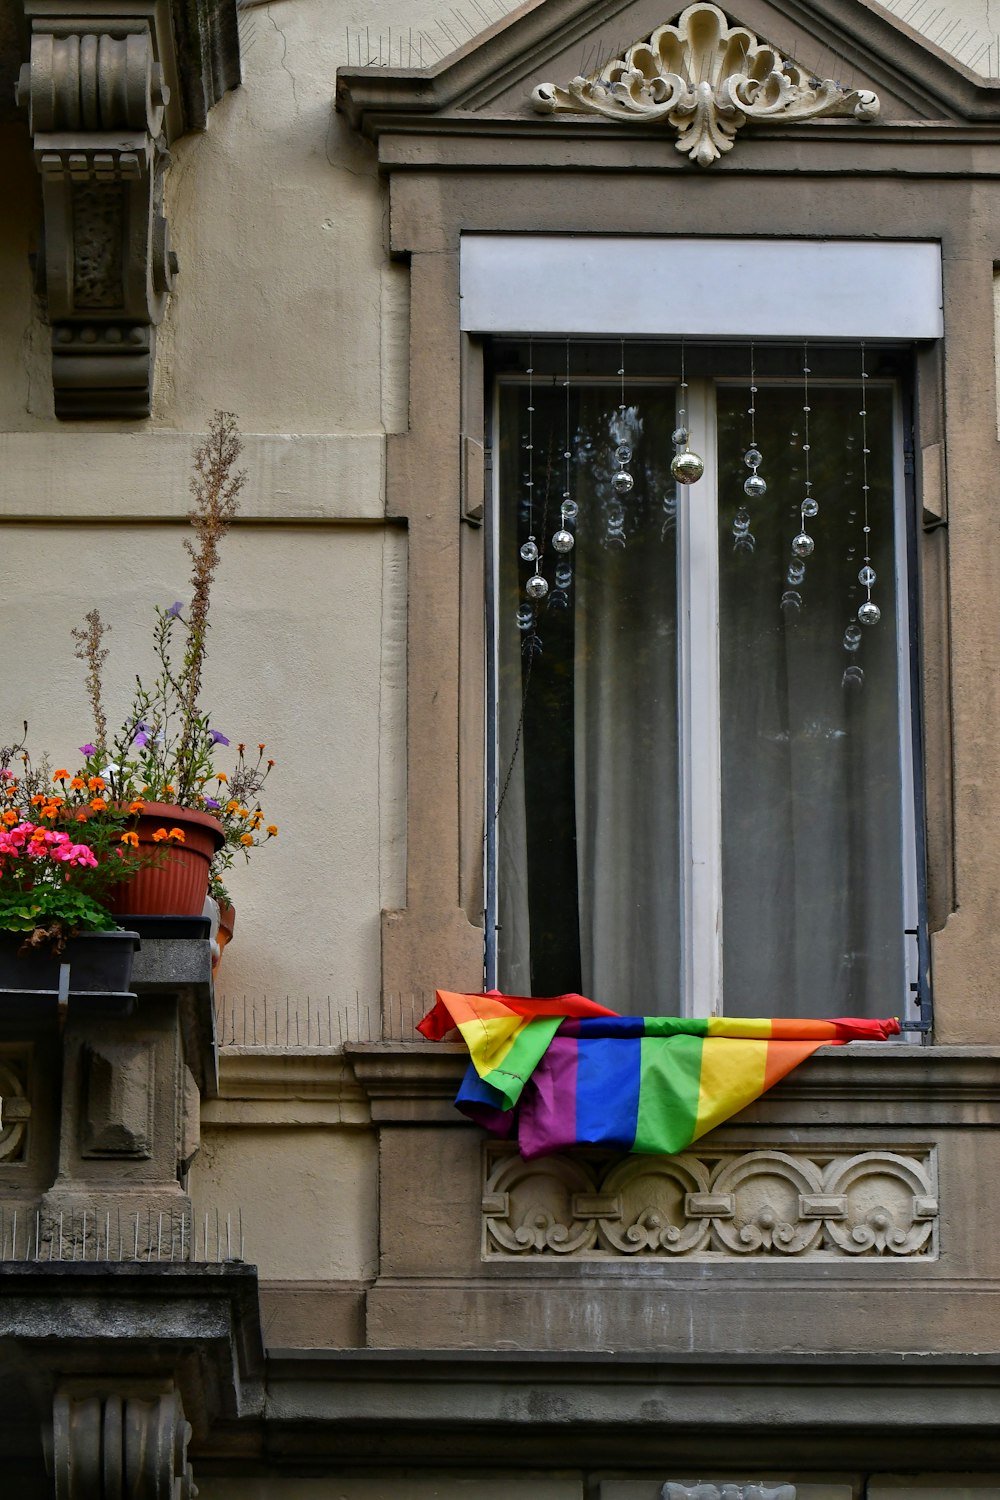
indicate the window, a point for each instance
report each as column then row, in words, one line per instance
column 703, row 782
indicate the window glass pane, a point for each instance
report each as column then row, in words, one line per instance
column 588, row 854
column 811, row 765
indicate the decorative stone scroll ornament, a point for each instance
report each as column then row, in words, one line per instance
column 706, row 78
column 120, row 1447
column 764, row 1203
column 96, row 99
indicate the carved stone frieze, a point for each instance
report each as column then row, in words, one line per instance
column 706, row 79
column 109, row 1446
column 765, row 1203
column 672, row 1491
column 15, row 1107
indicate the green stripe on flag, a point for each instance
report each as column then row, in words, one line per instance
column 669, row 1085
column 524, row 1056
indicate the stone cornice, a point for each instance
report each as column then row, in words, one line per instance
column 866, row 1084
column 607, row 1407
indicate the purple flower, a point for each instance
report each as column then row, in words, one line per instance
column 88, row 750
column 175, row 609
column 211, row 802
column 141, row 739
column 217, row 738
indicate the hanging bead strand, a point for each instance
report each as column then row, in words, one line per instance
column 803, row 544
column 869, row 612
column 563, row 540
column 536, row 587
column 622, row 482
column 685, row 466
column 754, row 486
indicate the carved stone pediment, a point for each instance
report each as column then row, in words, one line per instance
column 706, row 78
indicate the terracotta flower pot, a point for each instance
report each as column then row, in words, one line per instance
column 227, row 921
column 175, row 884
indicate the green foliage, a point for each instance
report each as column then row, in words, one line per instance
column 73, row 909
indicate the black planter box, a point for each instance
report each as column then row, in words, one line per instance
column 99, row 963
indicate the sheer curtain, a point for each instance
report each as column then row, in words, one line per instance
column 811, row 771
column 588, row 862
column 588, row 849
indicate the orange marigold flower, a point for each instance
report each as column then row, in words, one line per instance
column 131, row 838
column 168, row 790
column 244, row 812
column 176, row 833
column 78, row 783
column 136, row 807
column 240, row 749
column 56, row 801
column 246, row 838
column 48, row 812
column 231, row 806
column 270, row 764
column 272, row 830
column 159, row 835
column 81, row 817
column 97, row 783
column 222, row 777
column 10, row 817
column 261, row 747
column 98, row 804
column 38, row 799
column 59, row 775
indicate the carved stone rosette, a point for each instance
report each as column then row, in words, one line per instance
column 113, row 1446
column 763, row 1203
column 706, row 78
column 96, row 99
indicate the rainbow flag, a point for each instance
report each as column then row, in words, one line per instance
column 579, row 1074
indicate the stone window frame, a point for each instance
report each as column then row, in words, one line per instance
column 461, row 152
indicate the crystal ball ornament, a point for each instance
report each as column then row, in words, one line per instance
column 687, row 467
column 536, row 587
column 803, row 544
column 754, row 486
column 679, row 436
column 753, row 458
column 869, row 613
column 569, row 510
column 623, row 453
column 741, row 522
column 563, row 541
column 810, row 507
column 530, row 550
column 854, row 676
column 852, row 637
column 867, row 576
column 622, row 482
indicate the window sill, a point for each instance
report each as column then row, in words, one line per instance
column 864, row 1083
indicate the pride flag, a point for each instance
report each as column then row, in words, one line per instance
column 579, row 1074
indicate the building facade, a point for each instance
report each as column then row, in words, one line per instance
column 245, row 1235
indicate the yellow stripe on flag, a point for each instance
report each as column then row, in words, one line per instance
column 732, row 1076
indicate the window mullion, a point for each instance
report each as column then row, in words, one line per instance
column 699, row 716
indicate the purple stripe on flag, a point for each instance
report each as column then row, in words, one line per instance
column 548, row 1104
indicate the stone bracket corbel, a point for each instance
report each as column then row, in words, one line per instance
column 109, row 1444
column 96, row 100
